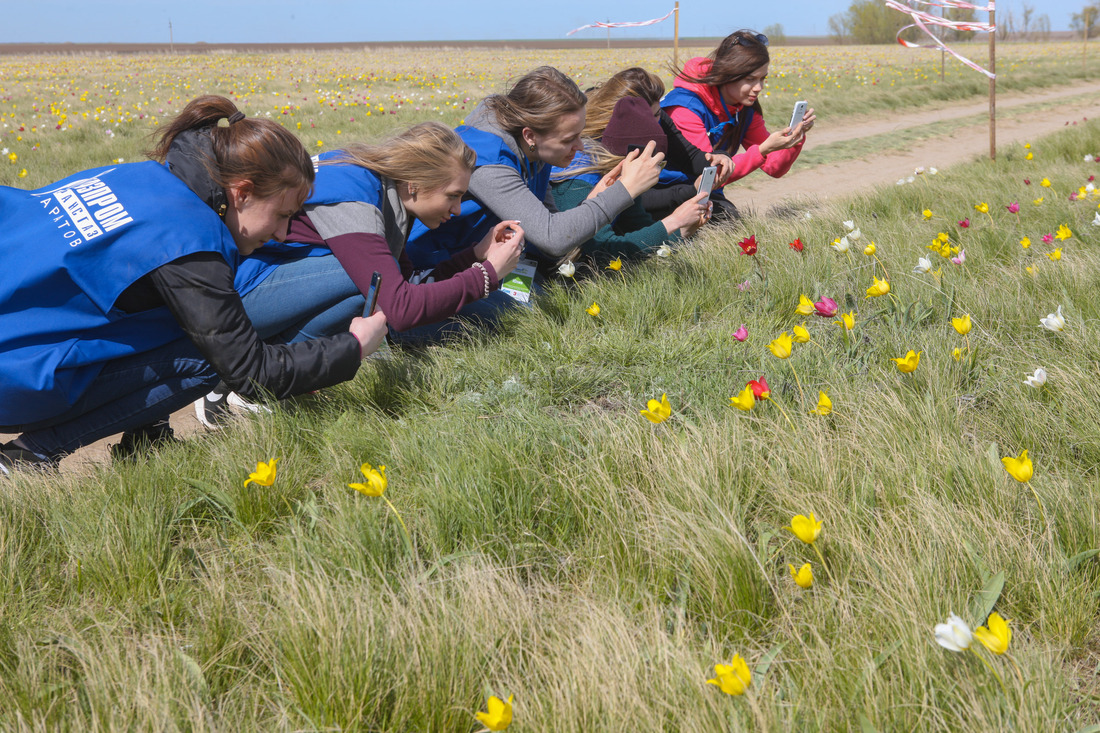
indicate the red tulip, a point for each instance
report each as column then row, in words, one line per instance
column 826, row 307
column 965, row 223
column 760, row 389
column 748, row 245
column 796, row 245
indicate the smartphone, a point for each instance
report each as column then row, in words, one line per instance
column 706, row 181
column 372, row 292
column 631, row 148
column 798, row 114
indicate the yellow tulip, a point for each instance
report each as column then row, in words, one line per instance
column 801, row 335
column 376, row 481
column 870, row 249
column 264, row 475
column 1038, row 201
column 1063, row 233
column 1029, row 155
column 805, row 306
column 781, row 347
column 1055, row 255
column 803, row 576
column 615, row 264
column 878, row 287
column 1025, row 242
column 962, row 325
column 824, row 405
column 499, row 715
column 1045, row 183
column 848, row 320
column 908, row 363
column 1019, row 468
column 997, row 636
column 983, row 207
column 657, row 411
column 593, row 310
column 745, row 400
column 805, row 528
column 956, row 354
column 927, row 214
column 733, row 678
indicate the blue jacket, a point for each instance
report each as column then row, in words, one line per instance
column 428, row 247
column 680, row 97
column 67, row 251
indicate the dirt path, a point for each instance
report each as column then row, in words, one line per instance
column 837, row 180
column 1047, row 113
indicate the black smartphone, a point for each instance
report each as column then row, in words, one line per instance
column 631, row 148
column 372, row 292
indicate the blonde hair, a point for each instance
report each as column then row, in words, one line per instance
column 538, row 100
column 245, row 149
column 426, row 155
column 632, row 82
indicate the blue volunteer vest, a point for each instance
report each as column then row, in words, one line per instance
column 428, row 247
column 67, row 251
column 580, row 160
column 688, row 99
column 334, row 184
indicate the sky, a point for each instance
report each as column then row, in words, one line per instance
column 316, row 21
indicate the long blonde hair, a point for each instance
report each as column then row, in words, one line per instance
column 632, row 82
column 537, row 100
column 426, row 155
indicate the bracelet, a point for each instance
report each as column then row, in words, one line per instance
column 484, row 272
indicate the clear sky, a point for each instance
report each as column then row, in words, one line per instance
column 281, row 21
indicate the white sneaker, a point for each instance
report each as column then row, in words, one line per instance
column 214, row 410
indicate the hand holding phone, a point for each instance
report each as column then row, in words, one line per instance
column 372, row 292
column 706, row 182
column 798, row 114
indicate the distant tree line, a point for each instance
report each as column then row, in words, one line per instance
column 870, row 21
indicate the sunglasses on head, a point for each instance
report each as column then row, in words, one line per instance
column 759, row 38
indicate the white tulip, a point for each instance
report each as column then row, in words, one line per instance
column 1036, row 380
column 855, row 235
column 841, row 246
column 1054, row 321
column 849, row 225
column 954, row 635
column 566, row 269
column 924, row 266
column 932, row 171
column 664, row 251
column 1096, row 221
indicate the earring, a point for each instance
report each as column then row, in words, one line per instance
column 534, row 146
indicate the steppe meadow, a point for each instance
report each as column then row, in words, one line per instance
column 774, row 460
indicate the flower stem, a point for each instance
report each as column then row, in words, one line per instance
column 772, row 400
column 799, row 383
column 989, row 666
column 832, row 580
column 884, row 270
column 1042, row 509
column 408, row 538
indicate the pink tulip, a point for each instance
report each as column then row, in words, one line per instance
column 826, row 307
column 1048, row 238
column 743, row 286
column 1013, row 207
column 965, row 223
column 961, row 258
column 742, row 333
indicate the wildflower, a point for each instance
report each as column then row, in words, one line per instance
column 742, row 333
column 803, row 576
column 743, row 286
column 879, row 287
column 855, row 235
column 942, row 236
column 615, row 264
column 1036, row 380
column 932, row 170
column 1048, row 238
column 1029, row 155
column 826, row 307
column 781, row 346
column 1055, row 255
column 805, row 306
column 841, row 245
column 997, row 636
column 1045, row 183
column 983, row 207
column 848, row 320
column 745, row 399
column 1063, row 233
column 23, row 173
column 1019, row 468
column 1038, row 201
column 593, row 310
column 870, row 249
column 760, row 389
column 927, row 214
column 962, row 325
column 1054, row 321
column 800, row 334
column 320, row 144
column 960, row 257
column 796, row 245
column 954, row 634
column 805, row 528
column 965, row 223
column 908, row 364
column 499, row 715
column 924, row 266
column 1025, row 242
column 664, row 251
column 567, row 269
column 1027, row 181
column 13, row 157
column 733, row 678
column 849, row 225
column 1013, row 208
column 824, row 406
column 376, row 480
column 748, row 245
column 1096, row 220
column 1027, row 146
column 657, row 412
column 956, row 353
column 264, row 475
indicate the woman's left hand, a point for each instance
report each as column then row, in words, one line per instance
column 808, row 120
column 724, row 164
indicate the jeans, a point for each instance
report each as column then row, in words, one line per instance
column 483, row 314
column 128, row 393
column 304, row 299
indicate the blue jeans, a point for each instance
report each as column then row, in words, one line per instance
column 127, row 394
column 304, row 299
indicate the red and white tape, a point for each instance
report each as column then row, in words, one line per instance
column 922, row 19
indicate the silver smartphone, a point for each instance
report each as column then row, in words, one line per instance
column 798, row 114
column 706, row 181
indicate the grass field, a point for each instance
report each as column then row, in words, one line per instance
column 560, row 547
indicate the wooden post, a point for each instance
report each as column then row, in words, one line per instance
column 1085, row 45
column 676, row 36
column 171, row 41
column 992, row 86
column 609, row 32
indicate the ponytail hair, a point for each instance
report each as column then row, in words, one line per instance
column 537, row 100
column 245, row 148
column 427, row 155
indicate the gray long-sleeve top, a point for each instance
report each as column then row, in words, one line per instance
column 502, row 189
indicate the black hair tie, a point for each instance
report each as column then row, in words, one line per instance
column 236, row 117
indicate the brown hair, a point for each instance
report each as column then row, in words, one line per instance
column 247, row 149
column 426, row 155
column 632, row 82
column 537, row 100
